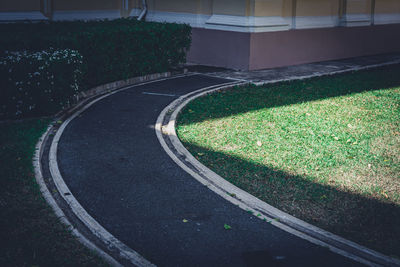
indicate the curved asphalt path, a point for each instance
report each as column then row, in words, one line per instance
column 112, row 161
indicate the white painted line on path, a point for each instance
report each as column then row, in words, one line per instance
column 159, row 94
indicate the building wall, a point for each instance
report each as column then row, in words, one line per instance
column 247, row 34
column 231, row 7
column 220, row 48
column 87, row 9
column 276, row 49
column 387, row 11
column 21, row 10
column 19, row 5
column 265, row 8
column 273, row 15
column 230, row 15
column 174, row 6
column 358, row 6
column 86, row 5
column 317, row 8
column 387, row 6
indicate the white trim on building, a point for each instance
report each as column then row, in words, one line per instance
column 265, row 24
column 387, row 18
column 248, row 24
column 357, row 20
column 220, row 22
column 311, row 22
column 215, row 21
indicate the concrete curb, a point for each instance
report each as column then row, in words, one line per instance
column 112, row 243
column 165, row 130
column 96, row 229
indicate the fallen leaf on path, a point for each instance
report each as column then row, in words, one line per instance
column 227, row 227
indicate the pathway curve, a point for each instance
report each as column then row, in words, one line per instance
column 111, row 159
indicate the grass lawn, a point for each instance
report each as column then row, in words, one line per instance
column 326, row 150
column 30, row 234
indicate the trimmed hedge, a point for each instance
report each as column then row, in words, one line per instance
column 38, row 83
column 112, row 50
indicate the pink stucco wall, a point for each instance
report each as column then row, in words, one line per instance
column 252, row 51
column 220, row 48
column 274, row 49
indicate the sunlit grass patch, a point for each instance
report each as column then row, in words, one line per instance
column 325, row 150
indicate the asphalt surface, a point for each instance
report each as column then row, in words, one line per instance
column 112, row 161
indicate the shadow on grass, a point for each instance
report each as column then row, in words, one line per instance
column 30, row 233
column 362, row 219
column 229, row 103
